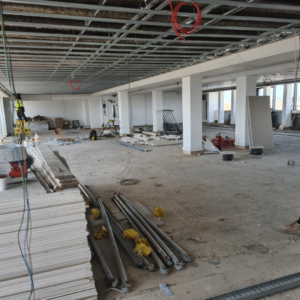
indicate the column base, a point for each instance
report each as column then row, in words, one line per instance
column 124, row 135
column 241, row 147
column 193, row 153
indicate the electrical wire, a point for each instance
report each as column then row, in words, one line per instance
column 177, row 28
column 8, row 65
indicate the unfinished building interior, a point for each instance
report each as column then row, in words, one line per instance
column 149, row 149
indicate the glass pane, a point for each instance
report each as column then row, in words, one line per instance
column 279, row 97
column 260, row 92
column 227, row 100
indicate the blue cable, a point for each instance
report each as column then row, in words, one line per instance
column 15, row 149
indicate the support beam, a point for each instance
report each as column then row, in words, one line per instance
column 233, row 107
column 86, row 112
column 157, row 111
column 221, row 107
column 95, row 113
column 192, row 115
column 124, row 112
column 245, row 86
column 287, row 106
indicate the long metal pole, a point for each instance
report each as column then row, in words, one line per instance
column 177, row 263
column 106, row 269
column 125, row 284
column 147, row 233
column 186, row 258
column 149, row 266
column 160, row 264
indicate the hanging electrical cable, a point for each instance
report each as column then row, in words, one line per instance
column 8, row 65
column 71, row 86
column 177, row 28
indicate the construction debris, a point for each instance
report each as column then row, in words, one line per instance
column 158, row 212
column 222, row 143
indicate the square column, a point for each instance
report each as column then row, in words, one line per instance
column 95, row 113
column 124, row 112
column 212, row 105
column 192, row 115
column 287, row 105
column 157, row 111
column 245, row 86
column 233, row 107
column 221, row 107
column 86, row 112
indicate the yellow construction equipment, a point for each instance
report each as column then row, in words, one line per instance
column 21, row 127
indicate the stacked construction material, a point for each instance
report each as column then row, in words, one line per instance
column 51, row 168
column 38, row 126
column 59, row 123
column 142, row 242
column 59, row 250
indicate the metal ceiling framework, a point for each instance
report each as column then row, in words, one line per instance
column 108, row 43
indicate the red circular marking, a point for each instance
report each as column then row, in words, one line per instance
column 269, row 82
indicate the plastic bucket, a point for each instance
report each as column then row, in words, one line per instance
column 3, row 182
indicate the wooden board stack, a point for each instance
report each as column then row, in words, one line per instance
column 51, row 168
column 59, row 249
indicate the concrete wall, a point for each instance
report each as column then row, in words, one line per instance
column 67, row 109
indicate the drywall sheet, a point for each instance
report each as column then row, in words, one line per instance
column 260, row 121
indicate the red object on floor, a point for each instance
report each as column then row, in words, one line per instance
column 16, row 171
column 223, row 143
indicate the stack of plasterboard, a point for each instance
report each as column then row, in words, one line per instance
column 38, row 126
column 53, row 169
column 59, row 249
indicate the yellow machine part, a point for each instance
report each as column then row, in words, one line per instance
column 95, row 213
column 158, row 212
column 130, row 234
column 20, row 127
column 100, row 234
column 142, row 249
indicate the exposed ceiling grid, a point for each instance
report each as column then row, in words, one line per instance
column 107, row 43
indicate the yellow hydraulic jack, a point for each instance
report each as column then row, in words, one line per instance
column 21, row 127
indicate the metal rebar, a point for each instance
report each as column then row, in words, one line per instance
column 186, row 258
column 125, row 284
column 113, row 281
column 147, row 233
column 177, row 263
column 150, row 267
column 88, row 194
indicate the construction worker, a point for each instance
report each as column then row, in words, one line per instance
column 20, row 108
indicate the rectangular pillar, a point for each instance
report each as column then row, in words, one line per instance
column 3, row 129
column 157, row 111
column 233, row 107
column 212, row 106
column 192, row 115
column 221, row 108
column 245, row 86
column 124, row 112
column 95, row 113
column 287, row 106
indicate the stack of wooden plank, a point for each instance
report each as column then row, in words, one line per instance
column 59, row 250
column 51, row 168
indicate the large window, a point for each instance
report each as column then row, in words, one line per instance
column 227, row 100
column 279, row 97
column 260, row 92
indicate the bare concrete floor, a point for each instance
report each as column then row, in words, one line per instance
column 235, row 208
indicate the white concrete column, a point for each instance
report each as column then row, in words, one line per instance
column 157, row 111
column 233, row 107
column 95, row 106
column 124, row 112
column 221, row 107
column 245, row 86
column 287, row 106
column 212, row 106
column 192, row 114
column 3, row 129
